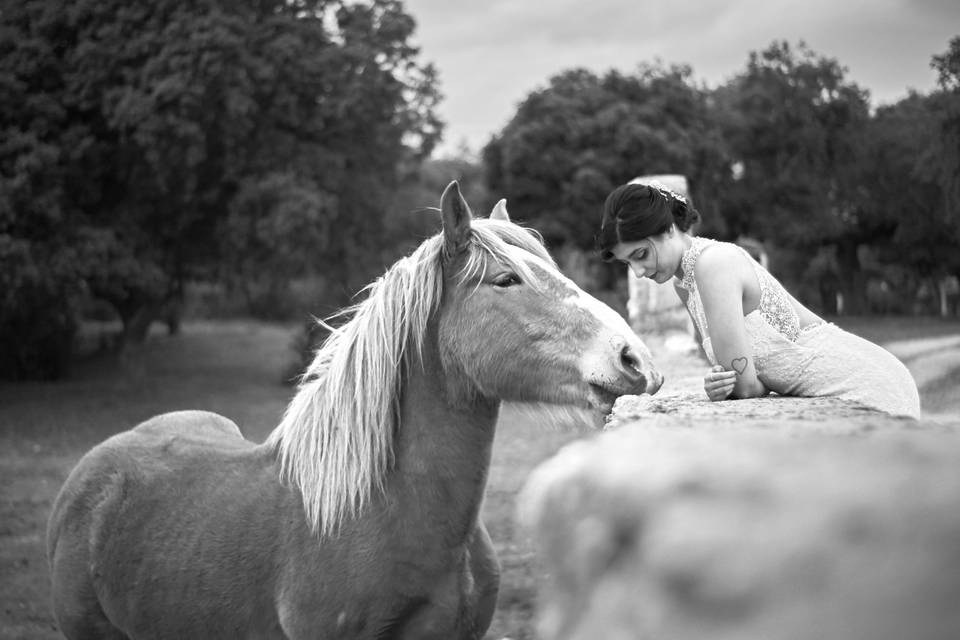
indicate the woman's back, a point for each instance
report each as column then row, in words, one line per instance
column 762, row 293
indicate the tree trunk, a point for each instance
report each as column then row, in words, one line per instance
column 942, row 296
column 136, row 323
column 851, row 278
column 173, row 309
column 828, row 295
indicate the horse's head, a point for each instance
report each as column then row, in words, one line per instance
column 513, row 327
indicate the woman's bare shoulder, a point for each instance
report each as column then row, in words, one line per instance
column 719, row 261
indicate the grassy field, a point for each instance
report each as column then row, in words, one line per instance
column 236, row 369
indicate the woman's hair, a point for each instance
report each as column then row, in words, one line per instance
column 633, row 212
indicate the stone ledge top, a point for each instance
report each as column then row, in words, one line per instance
column 688, row 406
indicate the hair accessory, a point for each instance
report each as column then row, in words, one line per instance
column 665, row 191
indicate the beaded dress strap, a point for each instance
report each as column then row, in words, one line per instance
column 689, row 259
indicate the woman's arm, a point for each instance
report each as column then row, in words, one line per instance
column 722, row 275
column 683, row 294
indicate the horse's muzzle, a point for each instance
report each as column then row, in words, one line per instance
column 639, row 379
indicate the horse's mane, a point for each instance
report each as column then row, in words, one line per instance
column 335, row 442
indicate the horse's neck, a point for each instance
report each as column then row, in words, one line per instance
column 442, row 452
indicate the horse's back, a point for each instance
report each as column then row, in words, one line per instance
column 192, row 424
column 141, row 505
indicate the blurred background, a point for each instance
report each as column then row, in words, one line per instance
column 163, row 161
column 184, row 187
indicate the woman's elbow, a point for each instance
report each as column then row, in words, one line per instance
column 749, row 391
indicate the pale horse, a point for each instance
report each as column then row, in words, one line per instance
column 358, row 517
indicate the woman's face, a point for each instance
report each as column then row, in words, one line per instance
column 651, row 257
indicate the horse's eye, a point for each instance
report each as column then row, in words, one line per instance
column 506, row 280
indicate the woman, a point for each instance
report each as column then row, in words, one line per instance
column 757, row 336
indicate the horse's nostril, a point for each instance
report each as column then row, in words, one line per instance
column 629, row 361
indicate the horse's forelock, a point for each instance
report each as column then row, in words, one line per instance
column 510, row 246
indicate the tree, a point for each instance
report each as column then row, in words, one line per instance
column 903, row 194
column 905, row 174
column 569, row 144
column 911, row 173
column 278, row 229
column 40, row 279
column 796, row 127
column 136, row 137
column 944, row 160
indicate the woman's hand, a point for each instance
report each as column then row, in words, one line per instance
column 718, row 383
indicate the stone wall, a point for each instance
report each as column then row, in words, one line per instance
column 766, row 519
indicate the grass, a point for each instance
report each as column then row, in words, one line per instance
column 233, row 369
column 236, row 369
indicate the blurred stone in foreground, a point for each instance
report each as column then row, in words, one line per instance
column 768, row 519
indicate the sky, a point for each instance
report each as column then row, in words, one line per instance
column 491, row 54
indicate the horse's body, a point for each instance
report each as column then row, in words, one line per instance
column 184, row 500
column 350, row 521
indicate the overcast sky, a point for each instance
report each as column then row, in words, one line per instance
column 492, row 53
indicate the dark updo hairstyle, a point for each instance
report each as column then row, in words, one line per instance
column 633, row 212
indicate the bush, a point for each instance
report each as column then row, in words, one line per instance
column 38, row 310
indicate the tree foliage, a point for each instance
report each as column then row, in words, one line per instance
column 901, row 191
column 795, row 131
column 573, row 141
column 797, row 127
column 944, row 160
column 145, row 144
column 788, row 151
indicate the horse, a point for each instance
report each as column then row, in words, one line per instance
column 358, row 516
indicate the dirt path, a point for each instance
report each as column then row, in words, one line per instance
column 935, row 365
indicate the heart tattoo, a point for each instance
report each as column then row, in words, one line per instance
column 739, row 365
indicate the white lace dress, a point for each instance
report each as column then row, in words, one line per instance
column 818, row 360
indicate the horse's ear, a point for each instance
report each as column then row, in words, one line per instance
column 500, row 211
column 456, row 219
